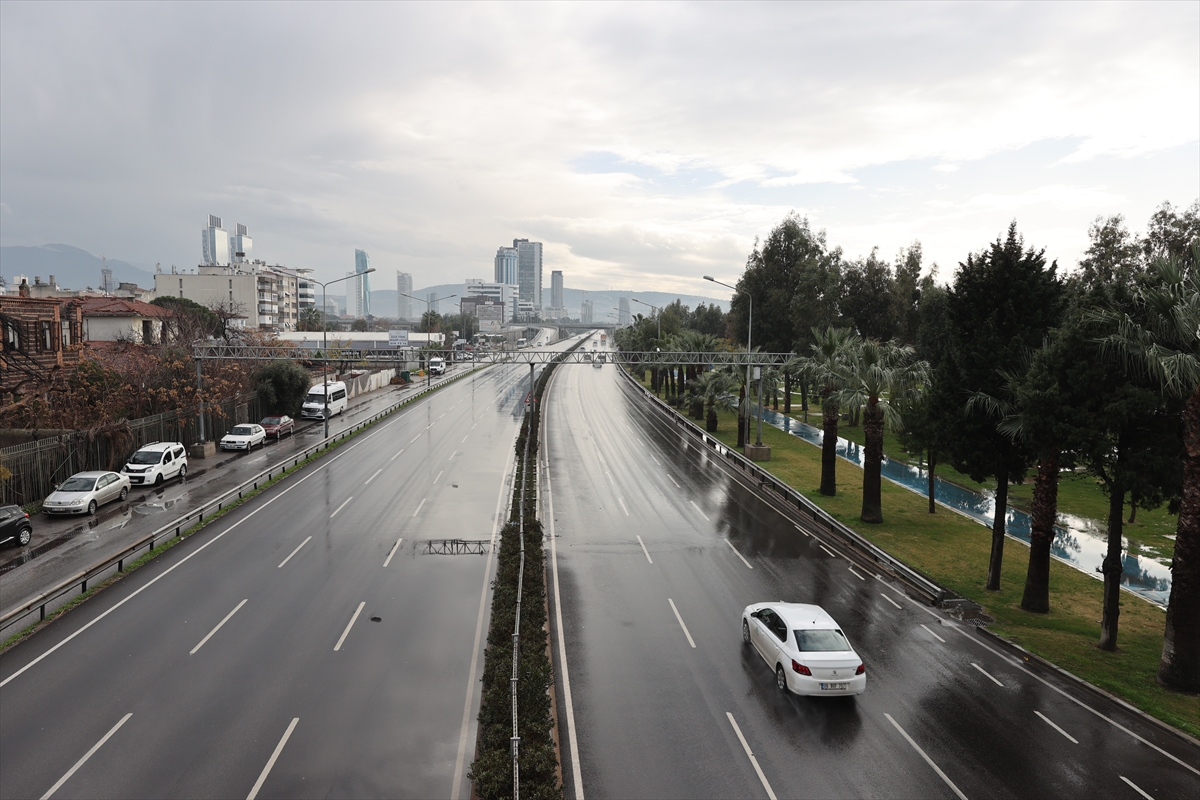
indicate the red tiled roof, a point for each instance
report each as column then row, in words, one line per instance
column 120, row 307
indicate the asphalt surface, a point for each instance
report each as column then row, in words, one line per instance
column 305, row 645
column 947, row 712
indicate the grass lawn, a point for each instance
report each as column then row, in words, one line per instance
column 954, row 551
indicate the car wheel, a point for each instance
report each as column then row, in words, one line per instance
column 745, row 633
column 23, row 536
column 91, row 508
column 183, row 471
column 780, row 678
column 125, row 492
column 158, row 479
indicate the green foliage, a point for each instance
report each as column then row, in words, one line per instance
column 281, row 387
column 310, row 319
column 360, row 325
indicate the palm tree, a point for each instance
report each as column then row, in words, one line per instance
column 830, row 352
column 714, row 388
column 1161, row 339
column 873, row 374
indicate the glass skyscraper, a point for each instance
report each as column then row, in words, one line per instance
column 362, row 286
column 506, row 265
column 403, row 304
column 215, row 242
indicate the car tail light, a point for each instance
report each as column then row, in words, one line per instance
column 798, row 667
column 862, row 669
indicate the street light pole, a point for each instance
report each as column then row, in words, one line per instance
column 749, row 333
column 325, row 337
column 658, row 318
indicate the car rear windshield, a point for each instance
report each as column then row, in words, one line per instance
column 78, row 485
column 146, row 457
column 271, row 421
column 241, row 430
column 817, row 641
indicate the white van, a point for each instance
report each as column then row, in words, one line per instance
column 314, row 403
column 437, row 366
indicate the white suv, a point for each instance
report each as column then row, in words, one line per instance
column 157, row 462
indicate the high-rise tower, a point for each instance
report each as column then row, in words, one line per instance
column 506, row 265
column 556, row 291
column 362, row 302
column 403, row 303
column 529, row 271
column 215, row 241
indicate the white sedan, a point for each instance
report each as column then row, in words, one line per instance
column 244, row 437
column 83, row 492
column 805, row 647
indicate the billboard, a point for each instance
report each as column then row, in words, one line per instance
column 398, row 338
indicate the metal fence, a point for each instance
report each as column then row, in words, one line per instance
column 36, row 466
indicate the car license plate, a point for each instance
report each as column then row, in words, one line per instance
column 829, row 686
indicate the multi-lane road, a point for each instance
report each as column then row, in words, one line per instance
column 308, row 644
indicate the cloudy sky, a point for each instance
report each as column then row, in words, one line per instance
column 646, row 145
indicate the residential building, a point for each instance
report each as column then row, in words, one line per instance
column 506, row 265
column 215, row 241
column 623, row 310
column 40, row 341
column 404, row 290
column 306, row 289
column 116, row 319
column 362, row 286
column 557, row 307
column 586, row 312
column 267, row 296
column 529, row 271
column 241, row 245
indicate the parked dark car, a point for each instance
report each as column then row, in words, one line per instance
column 15, row 527
column 279, row 426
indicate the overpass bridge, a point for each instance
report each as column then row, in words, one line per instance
column 387, row 355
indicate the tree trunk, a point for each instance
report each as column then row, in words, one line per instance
column 1180, row 665
column 1133, row 501
column 787, row 393
column 710, row 422
column 829, row 447
column 1111, row 566
column 932, row 479
column 1041, row 536
column 872, row 502
column 741, row 417
column 998, row 526
column 804, row 400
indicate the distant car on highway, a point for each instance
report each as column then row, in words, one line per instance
column 84, row 492
column 244, row 437
column 278, row 426
column 157, row 462
column 806, row 649
column 437, row 366
column 15, row 527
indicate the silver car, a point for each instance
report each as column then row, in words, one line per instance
column 84, row 492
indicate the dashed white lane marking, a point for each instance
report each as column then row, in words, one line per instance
column 392, row 552
column 827, row 550
column 418, row 436
column 739, row 555
column 443, row 414
column 890, row 600
column 418, row 511
column 934, row 635
column 473, row 426
column 86, row 756
column 297, row 550
column 452, row 455
column 1052, row 725
column 374, row 476
column 610, row 477
column 1137, row 788
column 464, row 438
column 984, row 671
column 656, row 461
column 439, row 476
column 219, row 624
column 621, row 500
column 693, row 502
column 339, row 508
column 393, row 458
column 271, row 761
column 685, row 630
column 677, row 486
column 928, row 760
column 855, row 574
column 644, row 550
column 753, row 760
column 806, row 533
column 349, row 625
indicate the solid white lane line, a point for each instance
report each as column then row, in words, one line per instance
column 1137, row 788
column 693, row 502
column 373, row 476
column 644, row 550
column 621, row 500
column 685, row 630
column 677, row 486
column 464, row 438
column 855, row 574
column 271, row 761
column 1052, row 725
column 392, row 552
column 943, row 641
column 219, row 624
column 984, row 671
column 418, row 511
column 339, row 508
column 827, row 550
column 736, row 553
column 297, row 550
column 1074, row 700
column 349, row 625
column 890, row 600
column 753, row 760
column 439, row 476
column 393, row 458
column 928, row 760
column 86, row 756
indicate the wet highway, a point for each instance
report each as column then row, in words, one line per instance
column 656, row 549
column 304, row 645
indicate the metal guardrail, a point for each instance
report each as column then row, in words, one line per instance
column 78, row 583
column 848, row 537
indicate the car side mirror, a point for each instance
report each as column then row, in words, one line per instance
column 754, row 614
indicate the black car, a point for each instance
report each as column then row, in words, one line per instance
column 15, row 527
